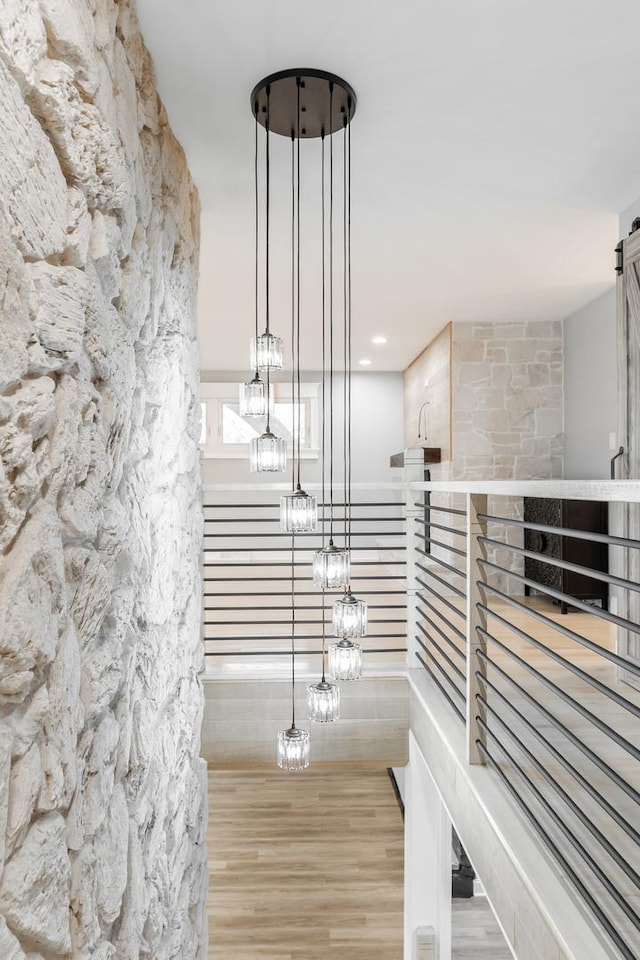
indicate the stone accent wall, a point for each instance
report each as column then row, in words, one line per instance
column 506, row 417
column 507, row 401
column 102, row 792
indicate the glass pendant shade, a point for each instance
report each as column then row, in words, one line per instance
column 253, row 398
column 349, row 617
column 293, row 749
column 345, row 660
column 331, row 568
column 266, row 352
column 267, row 454
column 298, row 512
column 323, row 701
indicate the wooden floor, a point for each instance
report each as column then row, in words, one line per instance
column 304, row 867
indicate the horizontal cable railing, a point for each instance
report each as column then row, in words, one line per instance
column 440, row 598
column 248, row 568
column 550, row 695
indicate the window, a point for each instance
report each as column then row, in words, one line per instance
column 226, row 434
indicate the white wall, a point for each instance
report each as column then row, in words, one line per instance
column 427, row 857
column 627, row 216
column 377, row 432
column 590, row 388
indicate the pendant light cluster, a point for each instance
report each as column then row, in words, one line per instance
column 301, row 105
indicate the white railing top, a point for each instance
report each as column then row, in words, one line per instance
column 625, row 491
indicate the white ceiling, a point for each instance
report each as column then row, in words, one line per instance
column 493, row 145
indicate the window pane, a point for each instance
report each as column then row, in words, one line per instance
column 240, row 430
column 284, row 412
column 235, row 429
column 203, row 423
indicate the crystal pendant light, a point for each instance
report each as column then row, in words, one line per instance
column 323, row 698
column 293, row 749
column 298, row 512
column 331, row 568
column 255, row 394
column 267, row 352
column 253, row 398
column 267, row 453
column 266, row 348
column 293, row 752
column 345, row 660
column 349, row 616
column 323, row 701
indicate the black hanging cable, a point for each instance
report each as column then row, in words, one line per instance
column 324, row 378
column 293, row 422
column 257, row 223
column 293, row 311
column 345, row 407
column 293, row 633
column 268, row 377
column 324, row 633
column 268, row 190
column 268, row 171
column 348, row 134
column 330, row 318
column 324, row 343
column 298, row 407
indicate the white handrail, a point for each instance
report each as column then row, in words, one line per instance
column 625, row 491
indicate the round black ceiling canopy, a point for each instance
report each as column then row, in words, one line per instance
column 277, row 97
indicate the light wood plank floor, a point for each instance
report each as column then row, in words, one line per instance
column 304, row 867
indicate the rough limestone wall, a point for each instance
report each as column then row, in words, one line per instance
column 508, row 417
column 506, row 412
column 507, row 401
column 102, row 793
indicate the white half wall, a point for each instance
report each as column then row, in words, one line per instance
column 427, row 857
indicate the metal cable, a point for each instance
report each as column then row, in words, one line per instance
column 586, row 785
column 575, row 843
column 589, row 715
column 565, row 597
column 607, row 538
column 573, row 668
column 565, row 631
column 442, row 690
column 591, row 755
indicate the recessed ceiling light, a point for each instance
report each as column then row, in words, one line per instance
column 364, row 363
column 379, row 340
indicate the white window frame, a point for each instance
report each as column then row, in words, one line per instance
column 213, row 396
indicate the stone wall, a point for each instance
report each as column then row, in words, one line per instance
column 507, row 401
column 505, row 382
column 508, row 419
column 102, row 792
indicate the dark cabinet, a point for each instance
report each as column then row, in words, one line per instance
column 585, row 515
